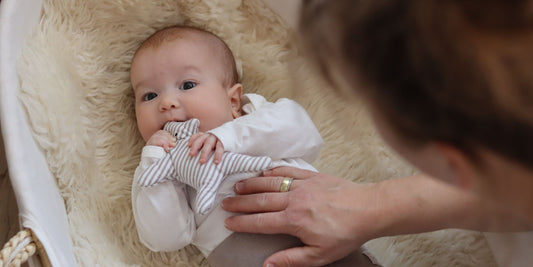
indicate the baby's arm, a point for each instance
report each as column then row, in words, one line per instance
column 280, row 130
column 162, row 215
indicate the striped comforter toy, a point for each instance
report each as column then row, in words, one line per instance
column 205, row 178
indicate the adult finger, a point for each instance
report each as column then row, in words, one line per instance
column 319, row 256
column 272, row 180
column 259, row 223
column 295, row 257
column 268, row 202
column 293, row 172
column 261, row 185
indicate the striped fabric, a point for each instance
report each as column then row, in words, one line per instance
column 205, row 178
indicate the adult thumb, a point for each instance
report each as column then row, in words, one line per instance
column 294, row 257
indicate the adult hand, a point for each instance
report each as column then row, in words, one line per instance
column 330, row 215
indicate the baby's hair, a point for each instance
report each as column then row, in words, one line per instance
column 221, row 48
column 458, row 72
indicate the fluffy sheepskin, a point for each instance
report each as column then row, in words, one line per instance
column 75, row 88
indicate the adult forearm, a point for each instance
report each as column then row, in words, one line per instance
column 419, row 204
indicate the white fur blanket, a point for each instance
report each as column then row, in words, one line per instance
column 75, row 88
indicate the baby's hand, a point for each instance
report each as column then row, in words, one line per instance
column 207, row 143
column 163, row 139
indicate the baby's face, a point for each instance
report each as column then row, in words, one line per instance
column 177, row 81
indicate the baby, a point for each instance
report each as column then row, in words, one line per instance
column 183, row 73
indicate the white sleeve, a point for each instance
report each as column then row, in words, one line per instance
column 280, row 130
column 162, row 215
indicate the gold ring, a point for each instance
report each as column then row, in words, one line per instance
column 285, row 184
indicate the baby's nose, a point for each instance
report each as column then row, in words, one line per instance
column 169, row 102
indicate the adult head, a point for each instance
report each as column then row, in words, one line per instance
column 180, row 73
column 449, row 83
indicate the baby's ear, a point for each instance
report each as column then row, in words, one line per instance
column 235, row 94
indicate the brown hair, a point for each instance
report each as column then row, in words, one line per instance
column 455, row 71
column 221, row 48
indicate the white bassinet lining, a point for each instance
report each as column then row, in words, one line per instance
column 41, row 207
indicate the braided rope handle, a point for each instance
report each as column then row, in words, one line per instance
column 18, row 249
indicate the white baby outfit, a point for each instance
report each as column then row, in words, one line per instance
column 164, row 214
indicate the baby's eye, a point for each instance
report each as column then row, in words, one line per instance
column 187, row 85
column 149, row 96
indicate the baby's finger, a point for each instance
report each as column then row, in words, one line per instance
column 197, row 144
column 164, row 135
column 166, row 147
column 219, row 151
column 193, row 138
column 209, row 144
column 170, row 146
column 172, row 140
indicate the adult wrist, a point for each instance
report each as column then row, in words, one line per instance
column 384, row 214
column 369, row 219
